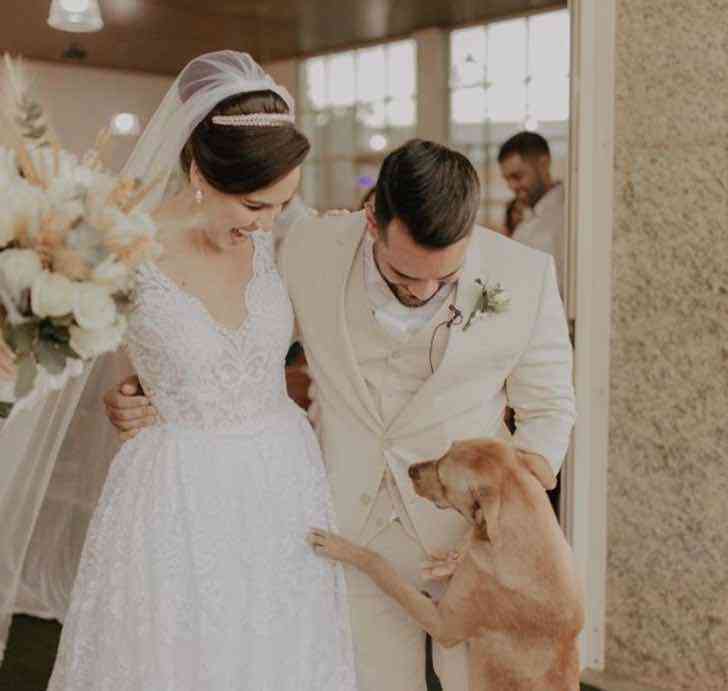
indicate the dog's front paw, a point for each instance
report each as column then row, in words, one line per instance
column 337, row 548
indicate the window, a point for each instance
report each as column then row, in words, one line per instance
column 505, row 77
column 357, row 106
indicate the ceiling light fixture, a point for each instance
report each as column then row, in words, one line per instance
column 77, row 16
column 531, row 124
column 378, row 142
column 125, row 124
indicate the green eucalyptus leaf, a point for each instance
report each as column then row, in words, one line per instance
column 20, row 337
column 65, row 321
column 51, row 331
column 68, row 351
column 27, row 372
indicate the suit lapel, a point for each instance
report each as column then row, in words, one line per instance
column 350, row 244
column 330, row 338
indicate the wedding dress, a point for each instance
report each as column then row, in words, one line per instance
column 195, row 573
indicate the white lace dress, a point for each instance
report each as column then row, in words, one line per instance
column 195, row 574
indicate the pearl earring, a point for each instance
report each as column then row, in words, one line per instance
column 198, row 196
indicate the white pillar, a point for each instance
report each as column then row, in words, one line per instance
column 432, row 83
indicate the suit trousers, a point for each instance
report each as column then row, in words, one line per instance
column 389, row 645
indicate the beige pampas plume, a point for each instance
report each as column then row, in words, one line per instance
column 30, row 121
column 24, row 121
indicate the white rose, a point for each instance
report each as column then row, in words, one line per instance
column 18, row 270
column 90, row 344
column 22, row 207
column 52, row 295
column 8, row 167
column 62, row 191
column 94, row 308
column 113, row 275
column 499, row 301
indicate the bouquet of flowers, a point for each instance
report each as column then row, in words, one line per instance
column 71, row 235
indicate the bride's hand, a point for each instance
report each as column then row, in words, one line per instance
column 7, row 361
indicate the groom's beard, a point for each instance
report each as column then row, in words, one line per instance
column 404, row 297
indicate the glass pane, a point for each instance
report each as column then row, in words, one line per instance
column 315, row 133
column 467, row 56
column 372, row 114
column 341, row 79
column 465, row 136
column 402, row 72
column 371, row 65
column 549, row 58
column 506, row 71
column 341, row 132
column 402, row 113
column 367, row 174
column 343, row 186
column 468, row 106
column 310, row 184
column 400, row 135
column 314, row 84
column 372, row 141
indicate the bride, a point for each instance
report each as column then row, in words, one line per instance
column 195, row 573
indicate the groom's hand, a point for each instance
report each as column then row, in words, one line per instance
column 128, row 409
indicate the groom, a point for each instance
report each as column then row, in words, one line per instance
column 399, row 378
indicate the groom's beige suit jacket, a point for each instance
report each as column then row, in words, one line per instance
column 521, row 357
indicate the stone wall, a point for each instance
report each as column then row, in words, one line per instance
column 667, row 585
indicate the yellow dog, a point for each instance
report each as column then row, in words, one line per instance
column 514, row 594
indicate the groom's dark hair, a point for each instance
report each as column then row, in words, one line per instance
column 434, row 191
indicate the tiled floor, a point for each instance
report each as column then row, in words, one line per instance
column 30, row 654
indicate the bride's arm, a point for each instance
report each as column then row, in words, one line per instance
column 127, row 407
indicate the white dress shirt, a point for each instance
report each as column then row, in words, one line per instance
column 544, row 230
column 398, row 320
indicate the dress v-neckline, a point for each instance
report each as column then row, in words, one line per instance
column 200, row 304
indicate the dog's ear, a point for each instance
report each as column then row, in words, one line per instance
column 539, row 467
column 486, row 509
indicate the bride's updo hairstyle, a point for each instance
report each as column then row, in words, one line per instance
column 241, row 158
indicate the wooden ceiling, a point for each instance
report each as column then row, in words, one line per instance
column 160, row 36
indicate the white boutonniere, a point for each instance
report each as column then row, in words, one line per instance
column 491, row 299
